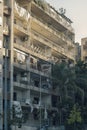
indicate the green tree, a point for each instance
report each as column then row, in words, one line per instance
column 64, row 80
column 81, row 81
column 75, row 117
column 81, row 76
column 13, row 119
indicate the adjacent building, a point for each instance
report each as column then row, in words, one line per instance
column 33, row 36
column 84, row 49
column 78, row 51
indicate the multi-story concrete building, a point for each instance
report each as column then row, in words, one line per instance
column 33, row 36
column 84, row 49
column 78, row 51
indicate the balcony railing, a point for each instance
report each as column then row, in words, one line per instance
column 20, row 61
column 20, row 29
column 56, row 16
column 62, row 36
column 60, row 19
column 27, row 49
column 53, row 46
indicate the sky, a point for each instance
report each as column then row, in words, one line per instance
column 76, row 10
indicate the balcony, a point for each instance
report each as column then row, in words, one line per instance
column 19, row 30
column 50, row 32
column 23, row 2
column 39, row 72
column 40, row 67
column 30, row 51
column 55, row 47
column 20, row 62
column 21, row 12
column 20, row 86
column 52, row 15
column 60, row 19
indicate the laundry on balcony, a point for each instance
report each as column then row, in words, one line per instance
column 6, row 29
column 20, row 58
column 22, row 12
column 17, row 108
column 28, row 102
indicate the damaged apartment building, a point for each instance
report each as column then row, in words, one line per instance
column 33, row 36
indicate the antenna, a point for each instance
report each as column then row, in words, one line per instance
column 62, row 11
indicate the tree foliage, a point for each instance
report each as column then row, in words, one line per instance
column 71, row 82
column 75, row 115
column 13, row 119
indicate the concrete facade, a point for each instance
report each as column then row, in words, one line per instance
column 33, row 36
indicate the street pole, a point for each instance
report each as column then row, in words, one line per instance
column 5, row 89
column 40, row 102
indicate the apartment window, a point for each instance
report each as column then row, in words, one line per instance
column 15, row 96
column 36, row 100
column 54, row 101
column 36, row 83
column 36, row 114
column 15, row 77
